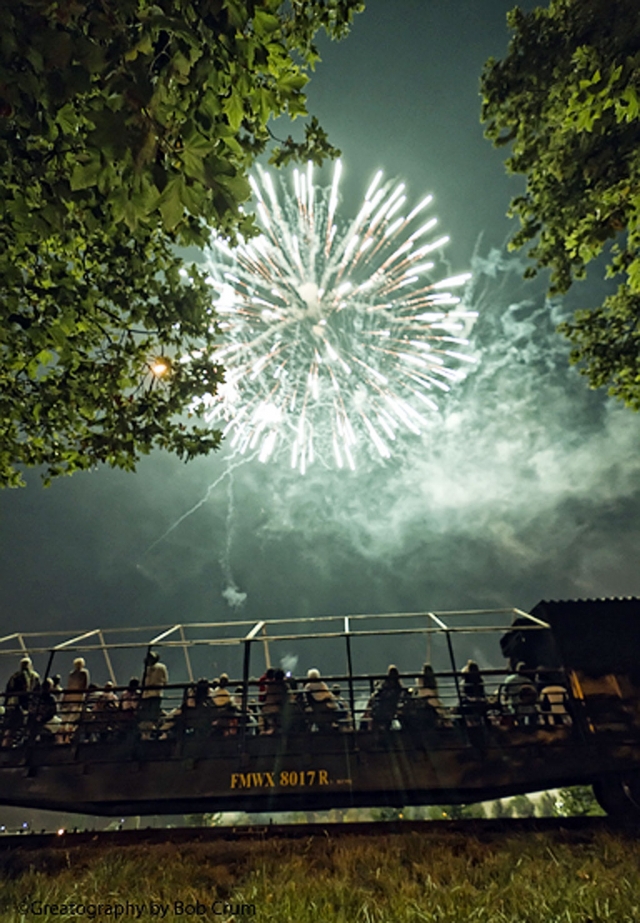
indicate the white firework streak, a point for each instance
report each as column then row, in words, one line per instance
column 335, row 339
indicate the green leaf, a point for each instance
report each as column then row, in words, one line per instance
column 180, row 64
column 634, row 275
column 35, row 58
column 170, row 203
column 234, row 108
column 44, row 357
column 265, row 24
column 144, row 47
column 192, row 198
column 628, row 106
column 85, row 175
column 292, row 82
column 238, row 186
column 67, row 118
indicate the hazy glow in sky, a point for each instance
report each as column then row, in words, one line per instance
column 524, row 485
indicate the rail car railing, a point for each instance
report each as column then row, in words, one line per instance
column 351, row 704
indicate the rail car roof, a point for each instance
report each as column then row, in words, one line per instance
column 236, row 632
column 237, row 636
column 597, row 636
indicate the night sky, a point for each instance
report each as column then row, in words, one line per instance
column 524, row 487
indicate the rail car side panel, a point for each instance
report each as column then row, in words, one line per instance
column 309, row 772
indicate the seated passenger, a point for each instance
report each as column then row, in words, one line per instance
column 317, row 689
column 251, row 719
column 386, row 699
column 275, row 702
column 193, row 717
column 473, row 699
column 263, row 682
column 427, row 689
column 91, row 722
column 553, row 698
column 130, row 697
column 93, row 694
column 106, row 708
column 107, row 700
column 321, row 703
column 224, row 714
column 189, row 696
column 236, row 698
column 56, row 688
column 345, row 721
column 422, row 708
column 203, row 694
column 294, row 719
column 44, row 718
column 518, row 696
column 220, row 695
column 426, row 684
column 473, row 683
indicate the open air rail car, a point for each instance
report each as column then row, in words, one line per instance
column 474, row 739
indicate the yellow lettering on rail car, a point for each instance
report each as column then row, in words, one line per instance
column 286, row 778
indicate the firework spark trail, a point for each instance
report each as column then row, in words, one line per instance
column 226, row 473
column 225, row 559
column 234, row 597
column 336, row 338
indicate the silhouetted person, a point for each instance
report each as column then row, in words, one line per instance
column 20, row 688
column 386, row 699
column 277, row 695
column 56, row 688
column 553, row 698
column 427, row 688
column 225, row 719
column 423, row 710
column 44, row 718
column 473, row 699
column 130, row 697
column 518, row 696
column 320, row 700
column 345, row 721
column 263, row 682
column 73, row 697
column 156, row 677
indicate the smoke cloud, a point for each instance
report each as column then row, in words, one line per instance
column 289, row 663
column 522, row 487
column 234, row 597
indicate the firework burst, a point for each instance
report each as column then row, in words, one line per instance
column 336, row 338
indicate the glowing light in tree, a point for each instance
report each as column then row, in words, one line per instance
column 336, row 338
column 159, row 367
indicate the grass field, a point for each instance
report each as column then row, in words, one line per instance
column 444, row 877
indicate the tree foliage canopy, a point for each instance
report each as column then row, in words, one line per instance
column 128, row 127
column 567, row 99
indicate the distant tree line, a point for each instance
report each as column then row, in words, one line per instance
column 576, row 801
